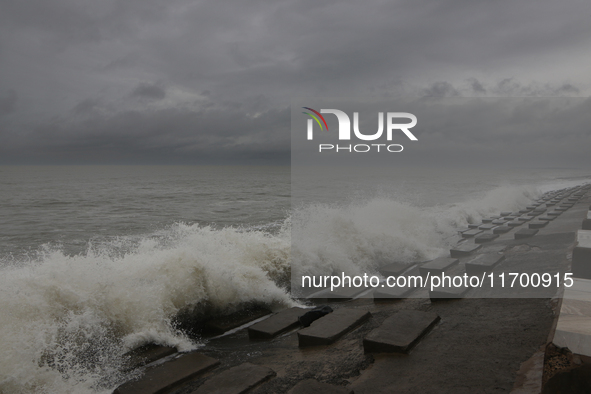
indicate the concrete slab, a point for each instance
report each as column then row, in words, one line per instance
column 340, row 294
column 394, row 269
column 483, row 263
column 486, row 227
column 554, row 213
column 448, row 293
column 331, row 327
column 487, row 220
column 223, row 324
column 561, row 209
column 471, row 233
column 391, row 293
column 400, row 332
column 538, row 224
column 483, row 238
column 514, row 223
column 312, row 386
column 525, row 233
column 524, row 218
column 170, row 374
column 499, row 222
column 463, row 249
column 501, row 230
column 437, row 266
column 581, row 263
column 505, row 213
column 473, row 226
column 547, row 218
column 276, row 324
column 236, row 380
column 147, row 354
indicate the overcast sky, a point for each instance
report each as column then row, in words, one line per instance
column 178, row 81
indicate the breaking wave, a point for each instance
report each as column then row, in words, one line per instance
column 67, row 321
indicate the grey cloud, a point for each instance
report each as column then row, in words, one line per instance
column 149, row 91
column 85, row 106
column 441, row 89
column 250, row 58
column 164, row 136
column 8, row 103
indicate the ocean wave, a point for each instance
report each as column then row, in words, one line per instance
column 67, row 321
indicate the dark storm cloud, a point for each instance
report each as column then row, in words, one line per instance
column 144, row 90
column 8, row 103
column 85, row 70
column 164, row 136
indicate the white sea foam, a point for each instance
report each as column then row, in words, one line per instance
column 68, row 320
column 356, row 238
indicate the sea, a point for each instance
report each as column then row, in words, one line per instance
column 98, row 260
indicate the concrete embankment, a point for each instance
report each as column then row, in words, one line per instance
column 444, row 341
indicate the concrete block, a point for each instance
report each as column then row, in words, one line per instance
column 547, row 218
column 473, row 226
column 391, row 293
column 437, row 266
column 538, row 224
column 463, row 249
column 276, row 324
column 501, row 230
column 506, row 213
column 514, row 223
column 524, row 218
column 447, row 293
column 561, row 209
column 331, row 327
column 581, row 264
column 236, row 380
column 400, row 332
column 168, row 375
column 526, row 233
column 487, row 220
column 311, row 386
column 483, row 238
column 147, row 354
column 554, row 213
column 471, row 233
column 586, row 224
column 223, row 324
column 340, row 294
column 483, row 263
column 499, row 222
column 394, row 269
column 486, row 227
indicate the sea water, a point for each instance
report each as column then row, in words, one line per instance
column 97, row 260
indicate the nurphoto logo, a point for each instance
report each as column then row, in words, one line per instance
column 344, row 133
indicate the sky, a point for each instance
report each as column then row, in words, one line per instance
column 191, row 82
